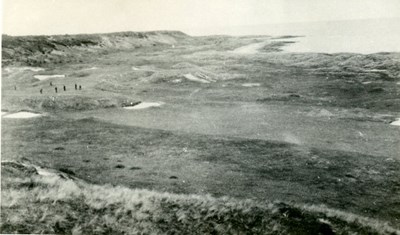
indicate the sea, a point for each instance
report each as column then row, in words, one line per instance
column 354, row 36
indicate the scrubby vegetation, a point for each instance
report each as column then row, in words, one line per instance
column 33, row 203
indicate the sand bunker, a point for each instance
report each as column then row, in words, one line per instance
column 3, row 113
column 19, row 69
column 396, row 123
column 144, row 105
column 193, row 78
column 44, row 172
column 178, row 80
column 251, row 84
column 134, row 68
column 34, row 69
column 92, row 68
column 44, row 77
column 23, row 115
column 365, row 83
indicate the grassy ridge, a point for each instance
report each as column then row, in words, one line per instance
column 33, row 203
column 60, row 49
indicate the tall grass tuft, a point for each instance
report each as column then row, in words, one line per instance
column 52, row 204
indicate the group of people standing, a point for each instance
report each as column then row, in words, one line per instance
column 64, row 88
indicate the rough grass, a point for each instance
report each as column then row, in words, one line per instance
column 221, row 166
column 33, row 203
column 64, row 103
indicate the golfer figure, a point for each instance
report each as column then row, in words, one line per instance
column 55, row 89
column 65, row 88
column 41, row 91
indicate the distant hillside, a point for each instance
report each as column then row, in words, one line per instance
column 41, row 50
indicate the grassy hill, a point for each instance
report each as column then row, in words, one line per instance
column 60, row 49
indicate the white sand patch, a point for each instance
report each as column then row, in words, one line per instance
column 250, row 49
column 3, row 113
column 44, row 172
column 251, row 84
column 398, row 83
column 177, row 80
column 145, row 105
column 19, row 69
column 44, row 77
column 365, row 83
column 376, row 70
column 91, row 68
column 23, row 115
column 193, row 78
column 34, row 69
column 396, row 123
column 135, row 68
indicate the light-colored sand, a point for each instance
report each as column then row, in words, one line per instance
column 91, row 68
column 44, row 77
column 134, row 68
column 3, row 113
column 34, row 69
column 44, row 172
column 396, row 123
column 40, row 170
column 177, row 80
column 145, row 105
column 365, row 83
column 19, row 69
column 23, row 114
column 250, row 49
column 251, row 84
column 193, row 78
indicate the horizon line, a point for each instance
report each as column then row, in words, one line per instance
column 216, row 27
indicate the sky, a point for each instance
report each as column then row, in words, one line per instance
column 47, row 17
